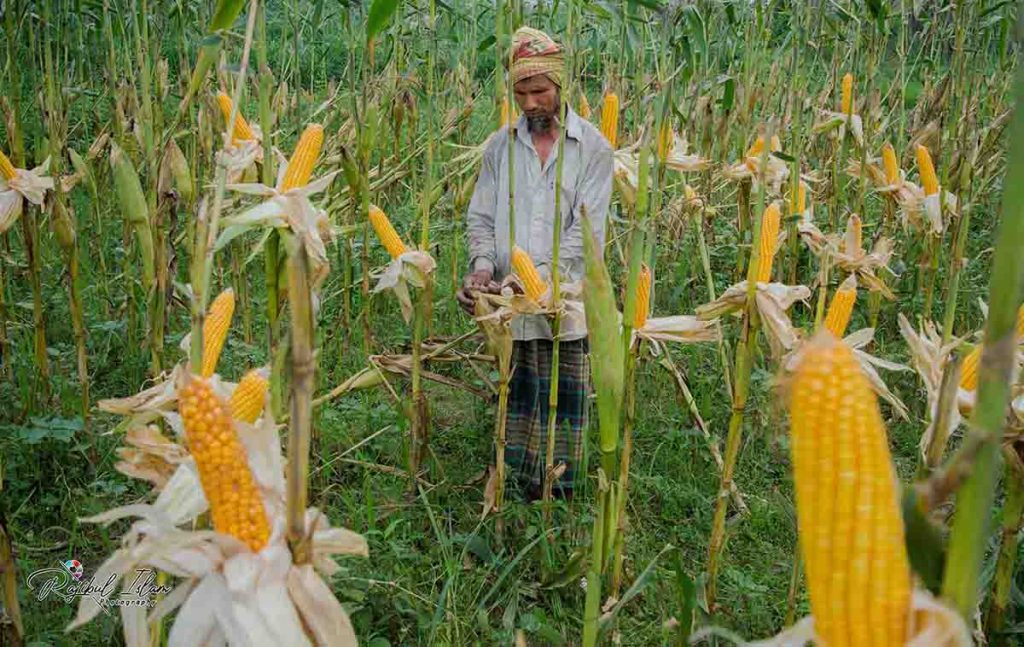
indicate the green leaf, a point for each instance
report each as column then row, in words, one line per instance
column 380, row 14
column 639, row 584
column 925, row 546
column 224, row 17
column 486, row 43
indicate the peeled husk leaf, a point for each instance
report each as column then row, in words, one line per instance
column 772, row 301
column 863, row 265
column 411, row 268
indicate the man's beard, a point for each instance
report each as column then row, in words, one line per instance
column 540, row 123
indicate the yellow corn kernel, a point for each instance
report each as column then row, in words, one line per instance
column 585, row 110
column 386, row 232
column 839, row 311
column 6, row 168
column 643, row 297
column 850, row 528
column 242, row 131
column 247, row 398
column 665, row 141
column 846, row 104
column 756, row 148
column 215, row 330
column 235, row 504
column 300, row 166
column 770, row 221
column 890, row 164
column 1020, row 322
column 853, row 241
column 969, row 369
column 524, row 268
column 929, row 181
column 610, row 118
column 798, row 201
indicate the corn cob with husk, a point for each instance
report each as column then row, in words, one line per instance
column 846, row 99
column 890, row 165
column 768, row 243
column 584, row 110
column 841, row 307
column 242, row 131
column 969, row 368
column 136, row 212
column 303, row 160
column 643, row 297
column 665, row 141
column 524, row 268
column 6, row 167
column 386, row 232
column 610, row 118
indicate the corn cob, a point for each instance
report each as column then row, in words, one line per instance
column 524, row 268
column 850, row 529
column 610, row 118
column 224, row 472
column 770, row 222
column 798, row 201
column 929, row 181
column 247, row 399
column 854, row 238
column 969, row 368
column 585, row 110
column 643, row 297
column 890, row 164
column 839, row 311
column 386, row 232
column 664, row 142
column 846, row 104
column 756, row 148
column 6, row 168
column 300, row 166
column 215, row 330
column 242, row 131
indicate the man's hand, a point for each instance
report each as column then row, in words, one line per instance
column 478, row 281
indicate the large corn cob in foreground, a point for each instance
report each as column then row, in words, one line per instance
column 248, row 397
column 524, row 268
column 242, row 131
column 839, row 311
column 610, row 118
column 300, row 166
column 851, row 532
column 386, row 232
column 215, row 330
column 770, row 222
column 6, row 168
column 643, row 297
column 224, row 472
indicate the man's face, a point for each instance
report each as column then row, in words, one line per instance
column 539, row 99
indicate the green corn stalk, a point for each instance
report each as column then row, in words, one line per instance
column 1012, row 519
column 303, row 382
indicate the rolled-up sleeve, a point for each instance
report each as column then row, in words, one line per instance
column 480, row 219
column 594, row 195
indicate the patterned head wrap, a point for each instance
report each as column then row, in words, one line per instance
column 533, row 53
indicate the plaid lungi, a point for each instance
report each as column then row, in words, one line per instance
column 526, row 430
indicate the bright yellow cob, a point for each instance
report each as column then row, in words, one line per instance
column 300, row 166
column 890, row 164
column 610, row 118
column 386, row 232
column 929, row 181
column 643, row 297
column 224, row 472
column 215, row 330
column 524, row 268
column 665, row 142
column 770, row 222
column 839, row 311
column 585, row 110
column 242, row 131
column 969, row 368
column 6, row 168
column 850, row 528
column 846, row 104
column 247, row 398
column 756, row 148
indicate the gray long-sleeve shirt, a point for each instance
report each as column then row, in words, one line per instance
column 586, row 181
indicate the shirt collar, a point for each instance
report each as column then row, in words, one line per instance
column 573, row 124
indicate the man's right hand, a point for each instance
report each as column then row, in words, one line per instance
column 478, row 281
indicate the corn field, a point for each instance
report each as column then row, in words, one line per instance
column 240, row 403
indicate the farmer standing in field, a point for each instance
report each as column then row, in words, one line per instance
column 537, row 69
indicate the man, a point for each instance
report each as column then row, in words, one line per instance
column 537, row 69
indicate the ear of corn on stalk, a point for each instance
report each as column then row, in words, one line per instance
column 300, row 166
column 664, row 141
column 890, row 164
column 224, row 472
column 839, row 311
column 756, row 148
column 585, row 110
column 248, row 397
column 386, row 232
column 767, row 243
column 242, row 131
column 929, row 180
column 6, row 167
column 850, row 528
column 846, row 104
column 854, row 243
column 133, row 204
column 969, row 368
column 610, row 118
column 524, row 268
column 215, row 330
column 643, row 297
column 798, row 201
